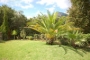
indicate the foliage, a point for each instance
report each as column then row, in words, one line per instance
column 30, row 32
column 14, row 18
column 75, row 39
column 49, row 25
column 18, row 20
column 29, row 37
column 23, row 34
column 4, row 27
column 14, row 33
column 79, row 13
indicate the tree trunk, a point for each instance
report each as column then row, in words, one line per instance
column 0, row 36
column 14, row 37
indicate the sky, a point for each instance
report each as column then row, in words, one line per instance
column 32, row 8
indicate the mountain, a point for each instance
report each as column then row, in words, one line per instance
column 61, row 14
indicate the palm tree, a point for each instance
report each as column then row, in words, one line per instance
column 49, row 25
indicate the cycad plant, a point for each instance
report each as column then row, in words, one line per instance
column 76, row 38
column 50, row 26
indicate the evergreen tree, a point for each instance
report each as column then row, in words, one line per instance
column 79, row 13
column 4, row 27
column 16, row 19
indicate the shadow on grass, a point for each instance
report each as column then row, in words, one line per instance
column 87, row 49
column 1, row 41
column 75, row 49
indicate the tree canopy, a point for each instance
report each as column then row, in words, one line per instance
column 11, row 19
column 79, row 13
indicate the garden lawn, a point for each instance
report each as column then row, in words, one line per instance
column 36, row 50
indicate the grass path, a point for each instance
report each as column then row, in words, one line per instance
column 36, row 50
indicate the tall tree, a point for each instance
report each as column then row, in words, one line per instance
column 1, row 16
column 15, row 19
column 19, row 20
column 4, row 27
column 79, row 13
column 9, row 14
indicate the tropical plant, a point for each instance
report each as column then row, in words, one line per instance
column 49, row 25
column 76, row 38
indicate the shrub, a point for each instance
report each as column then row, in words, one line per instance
column 30, row 37
column 14, row 33
column 23, row 34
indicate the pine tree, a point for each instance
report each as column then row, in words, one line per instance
column 79, row 13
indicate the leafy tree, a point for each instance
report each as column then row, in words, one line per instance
column 15, row 19
column 30, row 22
column 79, row 13
column 1, row 16
column 4, row 27
column 9, row 13
column 19, row 20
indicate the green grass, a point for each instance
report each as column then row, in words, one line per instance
column 36, row 50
